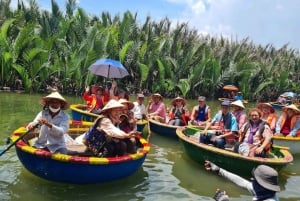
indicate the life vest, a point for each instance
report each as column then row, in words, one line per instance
column 92, row 102
column 202, row 113
column 270, row 118
column 181, row 115
column 293, row 122
column 260, row 131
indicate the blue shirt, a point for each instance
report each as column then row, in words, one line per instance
column 233, row 123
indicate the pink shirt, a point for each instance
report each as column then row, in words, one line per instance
column 158, row 109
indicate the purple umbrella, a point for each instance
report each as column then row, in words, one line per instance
column 108, row 68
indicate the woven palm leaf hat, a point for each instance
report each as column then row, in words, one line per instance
column 55, row 95
column 292, row 107
column 238, row 103
column 178, row 98
column 112, row 104
column 157, row 95
column 127, row 102
column 261, row 105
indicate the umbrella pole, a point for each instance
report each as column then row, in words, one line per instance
column 107, row 73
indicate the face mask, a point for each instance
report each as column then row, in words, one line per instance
column 54, row 110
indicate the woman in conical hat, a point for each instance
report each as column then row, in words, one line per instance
column 54, row 124
column 288, row 123
column 179, row 114
column 104, row 138
column 268, row 114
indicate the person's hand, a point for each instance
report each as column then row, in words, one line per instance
column 278, row 134
column 211, row 166
column 87, row 89
column 221, row 195
column 45, row 122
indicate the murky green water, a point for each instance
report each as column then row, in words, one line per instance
column 167, row 174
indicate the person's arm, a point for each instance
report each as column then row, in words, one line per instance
column 267, row 135
column 107, row 126
column 296, row 127
column 239, row 181
column 278, row 125
column 208, row 115
column 193, row 114
column 35, row 121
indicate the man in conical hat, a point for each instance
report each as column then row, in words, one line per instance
column 288, row 123
column 156, row 108
column 54, row 124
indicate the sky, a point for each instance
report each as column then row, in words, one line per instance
column 274, row 22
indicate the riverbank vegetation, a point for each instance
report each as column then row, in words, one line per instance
column 41, row 48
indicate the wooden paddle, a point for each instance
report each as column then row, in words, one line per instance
column 21, row 136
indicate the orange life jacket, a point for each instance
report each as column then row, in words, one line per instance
column 270, row 118
column 183, row 116
column 293, row 122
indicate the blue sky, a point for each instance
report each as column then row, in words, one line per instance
column 265, row 22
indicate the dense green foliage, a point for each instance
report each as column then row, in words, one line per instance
column 38, row 46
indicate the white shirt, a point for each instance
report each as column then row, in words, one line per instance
column 138, row 110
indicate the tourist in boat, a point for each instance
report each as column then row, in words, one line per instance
column 128, row 106
column 95, row 101
column 201, row 113
column 281, row 100
column 113, row 91
column 268, row 114
column 54, row 124
column 263, row 185
column 255, row 136
column 224, row 127
column 156, row 108
column 238, row 96
column 288, row 123
column 139, row 109
column 179, row 113
column 104, row 138
column 239, row 113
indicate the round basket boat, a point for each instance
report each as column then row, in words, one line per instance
column 79, row 169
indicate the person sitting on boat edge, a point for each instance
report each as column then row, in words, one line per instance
column 104, row 138
column 239, row 113
column 139, row 109
column 201, row 113
column 54, row 124
column 288, row 123
column 268, row 114
column 156, row 109
column 179, row 113
column 254, row 137
column 263, row 186
column 225, row 128
column 95, row 101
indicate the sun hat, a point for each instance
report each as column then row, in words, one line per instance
column 173, row 102
column 157, row 95
column 140, row 96
column 225, row 103
column 55, row 95
column 261, row 105
column 267, row 177
column 129, row 103
column 293, row 107
column 112, row 104
column 238, row 103
column 201, row 98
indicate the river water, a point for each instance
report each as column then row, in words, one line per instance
column 167, row 173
